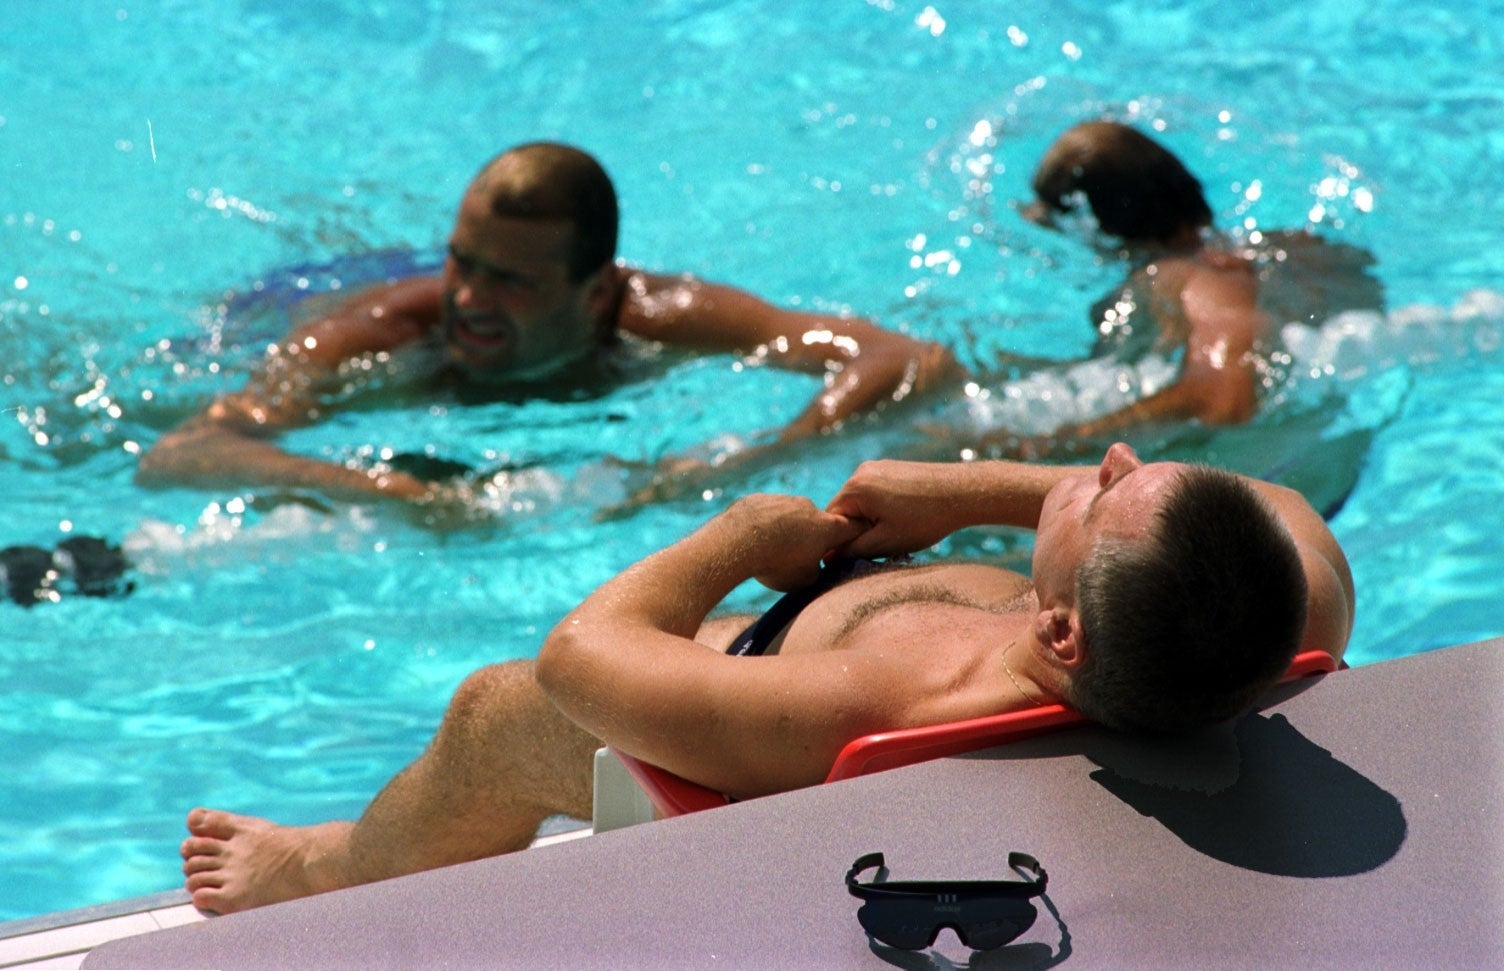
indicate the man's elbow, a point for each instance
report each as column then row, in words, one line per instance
column 558, row 658
column 1221, row 402
column 927, row 364
column 159, row 467
column 906, row 368
column 1227, row 412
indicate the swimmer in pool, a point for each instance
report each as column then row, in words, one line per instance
column 1191, row 291
column 1164, row 596
column 530, row 296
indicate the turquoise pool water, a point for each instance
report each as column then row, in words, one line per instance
column 171, row 170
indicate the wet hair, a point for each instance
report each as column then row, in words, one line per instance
column 1190, row 627
column 1137, row 189
column 547, row 180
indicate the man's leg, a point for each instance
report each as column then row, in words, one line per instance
column 503, row 760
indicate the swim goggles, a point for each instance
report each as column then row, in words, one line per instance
column 984, row 914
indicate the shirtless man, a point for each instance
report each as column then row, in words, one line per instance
column 529, row 293
column 1163, row 596
column 1189, row 287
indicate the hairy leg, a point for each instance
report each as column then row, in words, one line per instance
column 503, row 760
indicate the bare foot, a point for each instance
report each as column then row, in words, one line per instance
column 238, row 862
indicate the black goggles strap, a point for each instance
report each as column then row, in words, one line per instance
column 1033, row 884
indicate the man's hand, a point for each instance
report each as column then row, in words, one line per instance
column 784, row 538
column 910, row 506
column 902, row 504
column 678, row 476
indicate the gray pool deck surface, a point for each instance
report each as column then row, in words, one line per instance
column 1356, row 820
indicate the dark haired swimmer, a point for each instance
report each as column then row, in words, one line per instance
column 1219, row 304
column 530, row 292
column 1163, row 596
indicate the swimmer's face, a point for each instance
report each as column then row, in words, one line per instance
column 510, row 308
column 1056, row 192
column 1120, row 498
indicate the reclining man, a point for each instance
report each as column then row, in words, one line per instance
column 1164, row 596
column 530, row 297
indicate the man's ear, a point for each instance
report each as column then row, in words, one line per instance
column 600, row 291
column 1058, row 630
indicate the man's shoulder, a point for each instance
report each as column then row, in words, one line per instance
column 656, row 306
column 1221, row 279
column 380, row 318
column 418, row 299
column 647, row 291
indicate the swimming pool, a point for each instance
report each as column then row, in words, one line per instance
column 174, row 169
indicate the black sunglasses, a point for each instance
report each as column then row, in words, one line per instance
column 983, row 913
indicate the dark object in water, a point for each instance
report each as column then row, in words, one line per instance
column 83, row 565
column 96, row 567
column 429, row 468
column 27, row 574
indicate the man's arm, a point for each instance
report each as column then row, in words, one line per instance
column 1218, row 382
column 910, row 506
column 1217, row 308
column 230, row 442
column 864, row 365
column 625, row 667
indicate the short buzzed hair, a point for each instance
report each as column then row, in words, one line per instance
column 1191, row 626
column 1137, row 189
column 548, row 180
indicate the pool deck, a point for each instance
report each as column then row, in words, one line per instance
column 62, row 940
column 1352, row 822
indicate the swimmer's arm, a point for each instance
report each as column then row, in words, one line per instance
column 206, row 455
column 229, row 444
column 1329, row 581
column 1218, row 383
column 1179, row 401
column 625, row 666
column 380, row 319
column 864, row 366
column 911, row 506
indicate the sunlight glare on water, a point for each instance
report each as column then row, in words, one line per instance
column 180, row 176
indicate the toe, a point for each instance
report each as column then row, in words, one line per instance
column 213, row 823
column 202, row 862
column 209, row 900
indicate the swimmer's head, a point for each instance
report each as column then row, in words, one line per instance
column 529, row 270
column 553, row 182
column 1137, row 190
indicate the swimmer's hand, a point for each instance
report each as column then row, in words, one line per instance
column 645, row 484
column 673, row 478
column 946, row 444
column 1066, row 442
column 460, row 504
column 689, row 475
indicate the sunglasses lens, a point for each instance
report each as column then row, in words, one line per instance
column 1002, row 921
column 897, row 924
